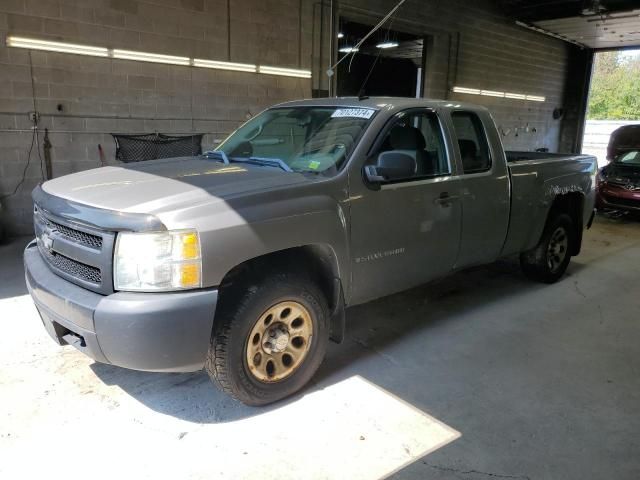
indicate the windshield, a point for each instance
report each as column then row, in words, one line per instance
column 629, row 158
column 306, row 139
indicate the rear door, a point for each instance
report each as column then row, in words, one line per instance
column 485, row 188
column 406, row 232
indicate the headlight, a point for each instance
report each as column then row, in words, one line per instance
column 157, row 261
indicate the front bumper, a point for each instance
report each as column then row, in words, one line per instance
column 616, row 198
column 164, row 332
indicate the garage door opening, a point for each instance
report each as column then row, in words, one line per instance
column 614, row 99
column 389, row 63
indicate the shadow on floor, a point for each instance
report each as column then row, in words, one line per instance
column 622, row 217
column 370, row 328
column 12, row 282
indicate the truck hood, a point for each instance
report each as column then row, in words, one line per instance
column 624, row 139
column 159, row 186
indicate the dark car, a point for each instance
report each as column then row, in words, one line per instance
column 619, row 182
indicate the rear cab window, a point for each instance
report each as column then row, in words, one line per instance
column 472, row 142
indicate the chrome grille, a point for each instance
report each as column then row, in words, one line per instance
column 626, row 185
column 80, row 253
column 92, row 241
column 73, row 268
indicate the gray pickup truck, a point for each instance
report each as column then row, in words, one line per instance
column 242, row 261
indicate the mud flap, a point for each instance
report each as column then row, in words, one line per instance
column 590, row 222
column 337, row 323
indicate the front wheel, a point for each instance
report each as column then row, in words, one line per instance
column 269, row 340
column 548, row 262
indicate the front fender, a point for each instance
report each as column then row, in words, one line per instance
column 235, row 236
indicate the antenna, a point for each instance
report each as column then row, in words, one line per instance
column 331, row 70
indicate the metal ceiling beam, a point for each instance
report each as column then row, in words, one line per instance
column 549, row 33
column 530, row 11
column 610, row 30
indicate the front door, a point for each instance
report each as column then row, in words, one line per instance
column 408, row 231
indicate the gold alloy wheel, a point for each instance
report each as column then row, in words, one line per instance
column 279, row 341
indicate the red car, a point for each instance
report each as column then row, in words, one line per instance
column 619, row 182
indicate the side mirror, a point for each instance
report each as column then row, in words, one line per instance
column 372, row 175
column 390, row 166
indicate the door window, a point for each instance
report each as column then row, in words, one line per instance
column 472, row 141
column 418, row 134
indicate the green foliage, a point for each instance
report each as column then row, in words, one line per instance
column 615, row 87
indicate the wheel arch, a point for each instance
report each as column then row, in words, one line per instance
column 319, row 261
column 572, row 204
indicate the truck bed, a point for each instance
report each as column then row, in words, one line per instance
column 536, row 179
column 521, row 156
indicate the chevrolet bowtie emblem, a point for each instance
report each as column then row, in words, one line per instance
column 47, row 241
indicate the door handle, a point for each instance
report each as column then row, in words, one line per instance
column 446, row 199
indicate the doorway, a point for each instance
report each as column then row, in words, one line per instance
column 614, row 99
column 389, row 63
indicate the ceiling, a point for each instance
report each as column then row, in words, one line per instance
column 598, row 24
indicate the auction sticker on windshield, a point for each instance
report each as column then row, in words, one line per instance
column 353, row 113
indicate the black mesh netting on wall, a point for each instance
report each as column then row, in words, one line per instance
column 136, row 148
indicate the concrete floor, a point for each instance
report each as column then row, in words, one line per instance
column 482, row 375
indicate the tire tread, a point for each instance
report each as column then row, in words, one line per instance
column 534, row 262
column 231, row 317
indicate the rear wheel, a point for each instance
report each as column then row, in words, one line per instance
column 549, row 260
column 269, row 340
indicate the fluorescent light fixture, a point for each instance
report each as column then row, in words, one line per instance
column 150, row 57
column 34, row 44
column 47, row 45
column 468, row 91
column 498, row 94
column 492, row 93
column 387, row 45
column 286, row 72
column 340, row 35
column 348, row 50
column 238, row 67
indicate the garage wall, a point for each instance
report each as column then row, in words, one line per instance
column 83, row 99
column 474, row 45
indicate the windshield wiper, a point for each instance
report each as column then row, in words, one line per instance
column 268, row 162
column 217, row 155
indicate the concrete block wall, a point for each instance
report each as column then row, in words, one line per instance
column 81, row 100
column 474, row 45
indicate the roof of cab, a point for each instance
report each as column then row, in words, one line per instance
column 379, row 103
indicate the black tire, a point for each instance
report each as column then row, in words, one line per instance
column 548, row 262
column 227, row 362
